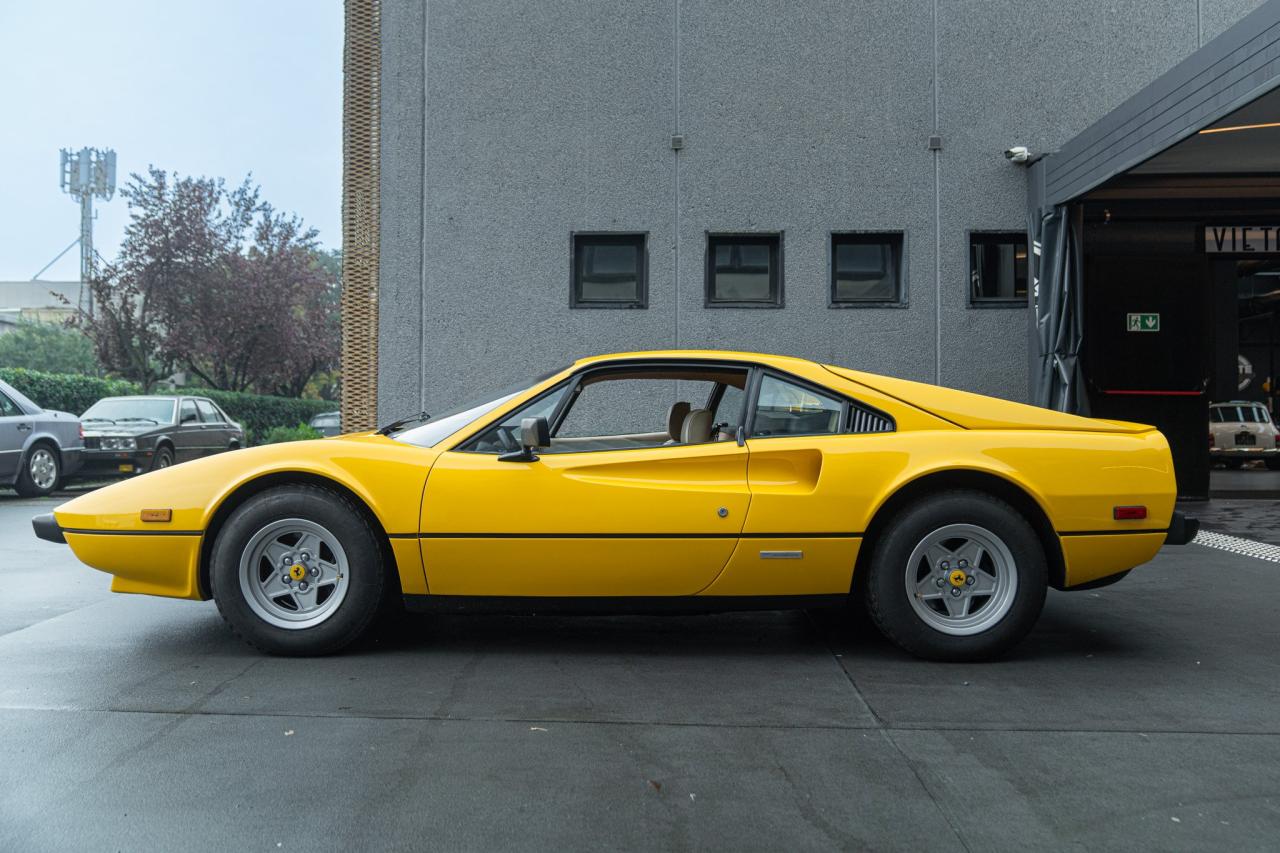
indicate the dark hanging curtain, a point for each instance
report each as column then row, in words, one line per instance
column 1058, row 312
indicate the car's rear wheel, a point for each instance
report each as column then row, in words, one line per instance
column 957, row 576
column 298, row 570
column 40, row 472
column 1273, row 464
column 1235, row 464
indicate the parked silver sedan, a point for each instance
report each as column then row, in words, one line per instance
column 38, row 447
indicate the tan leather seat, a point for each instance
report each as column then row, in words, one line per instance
column 697, row 427
column 675, row 419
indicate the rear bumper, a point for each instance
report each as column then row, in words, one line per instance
column 1182, row 529
column 47, row 528
column 1244, row 453
column 72, row 458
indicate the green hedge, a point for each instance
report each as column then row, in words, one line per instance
column 67, row 392
column 280, row 434
column 257, row 413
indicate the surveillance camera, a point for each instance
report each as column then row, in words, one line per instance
column 1018, row 154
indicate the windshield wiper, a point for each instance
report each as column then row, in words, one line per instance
column 104, row 420
column 395, row 425
column 122, row 420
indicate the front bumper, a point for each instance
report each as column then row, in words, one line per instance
column 48, row 529
column 114, row 463
column 1182, row 529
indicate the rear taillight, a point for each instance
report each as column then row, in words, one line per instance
column 81, row 426
column 1211, row 439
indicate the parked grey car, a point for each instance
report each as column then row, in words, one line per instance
column 38, row 447
column 327, row 423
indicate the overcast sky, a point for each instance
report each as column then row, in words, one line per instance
column 222, row 89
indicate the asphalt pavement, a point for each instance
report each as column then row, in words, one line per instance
column 1142, row 716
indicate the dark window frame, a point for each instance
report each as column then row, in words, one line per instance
column 776, row 242
column 585, row 238
column 972, row 301
column 899, row 260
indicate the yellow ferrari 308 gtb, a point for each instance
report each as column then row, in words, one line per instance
column 675, row 481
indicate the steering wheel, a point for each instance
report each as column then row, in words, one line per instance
column 508, row 439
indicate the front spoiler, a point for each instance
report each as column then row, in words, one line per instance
column 1182, row 529
column 47, row 528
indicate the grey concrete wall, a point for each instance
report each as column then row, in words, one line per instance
column 508, row 126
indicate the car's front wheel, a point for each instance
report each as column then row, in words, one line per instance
column 298, row 570
column 163, row 458
column 40, row 472
column 957, row 576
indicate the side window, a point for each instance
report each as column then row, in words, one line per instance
column 627, row 410
column 615, row 414
column 505, row 435
column 187, row 413
column 208, row 413
column 8, row 408
column 785, row 408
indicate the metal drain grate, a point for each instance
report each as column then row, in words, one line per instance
column 1236, row 545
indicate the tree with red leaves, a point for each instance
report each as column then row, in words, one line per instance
column 218, row 283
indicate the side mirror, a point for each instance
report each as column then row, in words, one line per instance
column 535, row 434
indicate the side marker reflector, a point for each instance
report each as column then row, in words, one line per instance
column 157, row 515
column 1129, row 513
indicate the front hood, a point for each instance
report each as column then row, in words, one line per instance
column 975, row 411
column 387, row 475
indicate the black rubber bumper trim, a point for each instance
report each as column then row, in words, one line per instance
column 46, row 528
column 1182, row 529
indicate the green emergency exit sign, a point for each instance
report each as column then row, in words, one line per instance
column 1144, row 323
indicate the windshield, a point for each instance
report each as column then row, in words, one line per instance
column 431, row 432
column 131, row 410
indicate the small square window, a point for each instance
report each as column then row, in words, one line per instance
column 866, row 269
column 609, row 271
column 744, row 270
column 998, row 269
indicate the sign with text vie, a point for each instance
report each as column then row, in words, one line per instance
column 1241, row 239
column 1143, row 323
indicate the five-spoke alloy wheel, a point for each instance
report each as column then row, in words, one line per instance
column 957, row 576
column 298, row 570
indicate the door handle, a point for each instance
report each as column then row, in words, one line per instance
column 25, row 427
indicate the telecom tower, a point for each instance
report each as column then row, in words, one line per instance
column 84, row 174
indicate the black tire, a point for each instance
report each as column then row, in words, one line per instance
column 162, row 459
column 1273, row 464
column 366, row 575
column 1234, row 464
column 891, row 607
column 26, row 485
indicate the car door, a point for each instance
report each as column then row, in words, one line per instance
column 214, row 429
column 15, row 427
column 815, row 469
column 188, row 436
column 616, row 509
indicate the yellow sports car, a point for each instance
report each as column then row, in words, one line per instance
column 679, row 481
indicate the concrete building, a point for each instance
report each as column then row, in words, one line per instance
column 36, row 301
column 822, row 178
